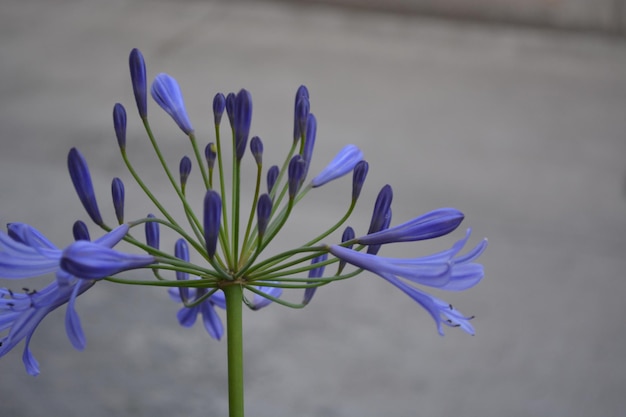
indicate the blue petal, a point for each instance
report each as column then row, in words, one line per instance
column 341, row 164
column 166, row 92
column 31, row 364
column 187, row 316
column 212, row 321
column 72, row 322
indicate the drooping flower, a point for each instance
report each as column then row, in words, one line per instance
column 166, row 92
column 444, row 270
column 314, row 273
column 24, row 253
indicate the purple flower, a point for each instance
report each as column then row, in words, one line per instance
column 219, row 104
column 212, row 219
column 263, row 212
column 296, row 170
column 444, row 270
column 81, row 178
column 427, row 226
column 358, row 178
column 256, row 148
column 314, row 273
column 242, row 119
column 117, row 194
column 26, row 253
column 258, row 301
column 187, row 315
column 119, row 123
column 138, row 79
column 80, row 231
column 272, row 176
column 153, row 235
column 166, row 92
column 341, row 164
column 184, row 169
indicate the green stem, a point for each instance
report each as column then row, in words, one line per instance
column 234, row 301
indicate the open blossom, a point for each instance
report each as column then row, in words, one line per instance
column 24, row 253
column 444, row 270
column 166, row 92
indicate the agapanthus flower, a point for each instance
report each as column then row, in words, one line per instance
column 166, row 92
column 25, row 252
column 444, row 270
column 342, row 163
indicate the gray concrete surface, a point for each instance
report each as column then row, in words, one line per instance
column 524, row 131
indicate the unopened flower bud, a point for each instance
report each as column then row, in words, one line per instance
column 119, row 123
column 117, row 194
column 138, row 79
column 212, row 218
column 81, row 178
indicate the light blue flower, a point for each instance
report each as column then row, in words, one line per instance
column 444, row 270
column 166, row 92
column 26, row 253
column 341, row 164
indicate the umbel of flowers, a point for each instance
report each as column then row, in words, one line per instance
column 229, row 238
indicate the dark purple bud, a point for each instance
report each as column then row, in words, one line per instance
column 358, row 178
column 309, row 142
column 219, row 104
column 210, row 155
column 272, row 175
column 152, row 233
column 117, row 192
column 79, row 172
column 263, row 212
column 314, row 273
column 243, row 119
column 300, row 117
column 181, row 251
column 301, row 112
column 297, row 166
column 230, row 109
column 138, row 79
column 166, row 92
column 184, row 170
column 256, row 147
column 119, row 123
column 212, row 214
column 80, row 231
column 381, row 207
column 348, row 234
column 373, row 249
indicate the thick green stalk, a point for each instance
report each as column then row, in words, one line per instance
column 234, row 337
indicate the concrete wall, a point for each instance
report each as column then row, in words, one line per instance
column 598, row 15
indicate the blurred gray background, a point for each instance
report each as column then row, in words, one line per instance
column 522, row 126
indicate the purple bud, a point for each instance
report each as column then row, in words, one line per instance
column 210, row 155
column 314, row 273
column 358, row 178
column 348, row 234
column 184, row 170
column 117, row 192
column 181, row 251
column 152, row 233
column 341, row 164
column 309, row 142
column 219, row 103
column 230, row 109
column 301, row 115
column 243, row 119
column 212, row 213
column 256, row 147
column 166, row 92
column 119, row 123
column 138, row 79
column 272, row 175
column 373, row 249
column 297, row 166
column 79, row 172
column 381, row 217
column 80, row 231
column 263, row 212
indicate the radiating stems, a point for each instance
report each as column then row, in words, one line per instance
column 224, row 238
column 196, row 151
column 234, row 337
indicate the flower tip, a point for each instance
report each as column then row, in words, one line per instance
column 166, row 92
column 138, row 79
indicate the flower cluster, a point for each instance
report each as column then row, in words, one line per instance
column 230, row 243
